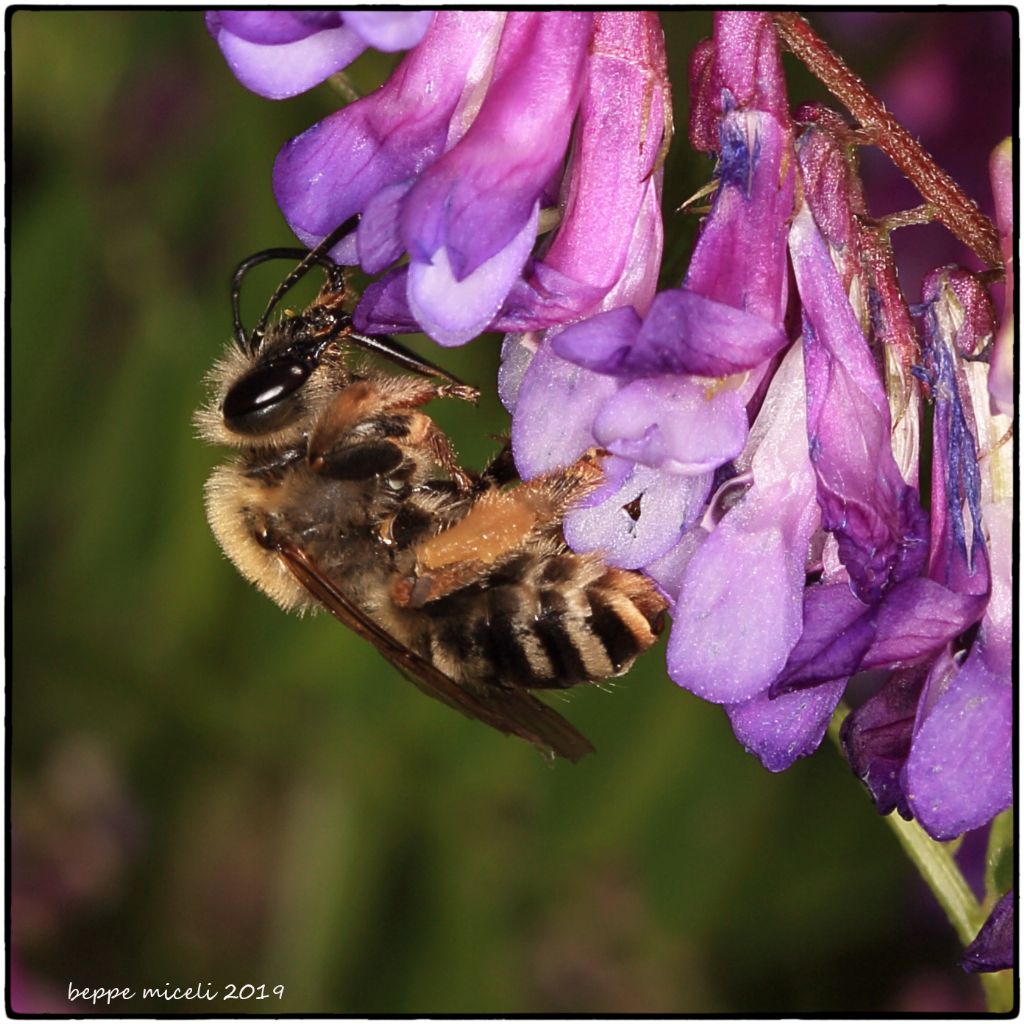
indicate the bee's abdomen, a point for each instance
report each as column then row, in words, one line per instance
column 546, row 621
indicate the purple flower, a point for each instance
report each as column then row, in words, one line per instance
column 739, row 67
column 875, row 516
column 535, row 381
column 831, row 187
column 470, row 221
column 642, row 387
column 764, row 441
column 958, row 774
column 727, row 318
column 992, row 948
column 611, row 191
column 282, row 53
column 705, row 502
column 877, row 737
column 615, row 213
column 728, row 315
column 730, row 640
column 780, row 730
column 935, row 742
column 364, row 157
column 450, row 164
column 873, row 608
column 863, row 255
column 452, row 179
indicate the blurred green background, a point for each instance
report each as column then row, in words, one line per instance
column 205, row 790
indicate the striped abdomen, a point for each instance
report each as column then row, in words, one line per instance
column 545, row 620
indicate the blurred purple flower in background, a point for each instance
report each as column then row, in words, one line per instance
column 77, row 833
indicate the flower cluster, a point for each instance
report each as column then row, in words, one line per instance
column 764, row 421
column 455, row 164
column 766, row 452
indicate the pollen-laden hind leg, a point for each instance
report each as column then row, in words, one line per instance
column 500, row 525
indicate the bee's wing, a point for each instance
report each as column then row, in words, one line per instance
column 514, row 712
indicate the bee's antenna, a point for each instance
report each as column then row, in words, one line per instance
column 308, row 258
column 382, row 345
column 316, row 255
column 241, row 335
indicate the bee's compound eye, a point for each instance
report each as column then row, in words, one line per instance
column 261, row 401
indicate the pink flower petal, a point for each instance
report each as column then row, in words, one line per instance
column 280, row 70
column 679, row 424
column 780, row 730
column 390, row 30
column 454, row 311
column 959, row 774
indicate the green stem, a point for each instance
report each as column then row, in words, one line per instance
column 938, row 867
column 998, row 988
column 940, row 871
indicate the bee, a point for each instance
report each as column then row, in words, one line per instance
column 344, row 495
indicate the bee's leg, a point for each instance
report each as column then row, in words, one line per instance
column 385, row 408
column 372, row 399
column 359, row 461
column 500, row 524
column 426, row 436
column 416, row 591
column 500, row 470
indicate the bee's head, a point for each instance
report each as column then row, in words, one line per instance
column 271, row 384
column 267, row 397
column 265, row 389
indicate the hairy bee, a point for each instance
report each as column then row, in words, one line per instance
column 344, row 495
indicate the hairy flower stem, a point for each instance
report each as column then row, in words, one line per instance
column 953, row 208
column 937, row 865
